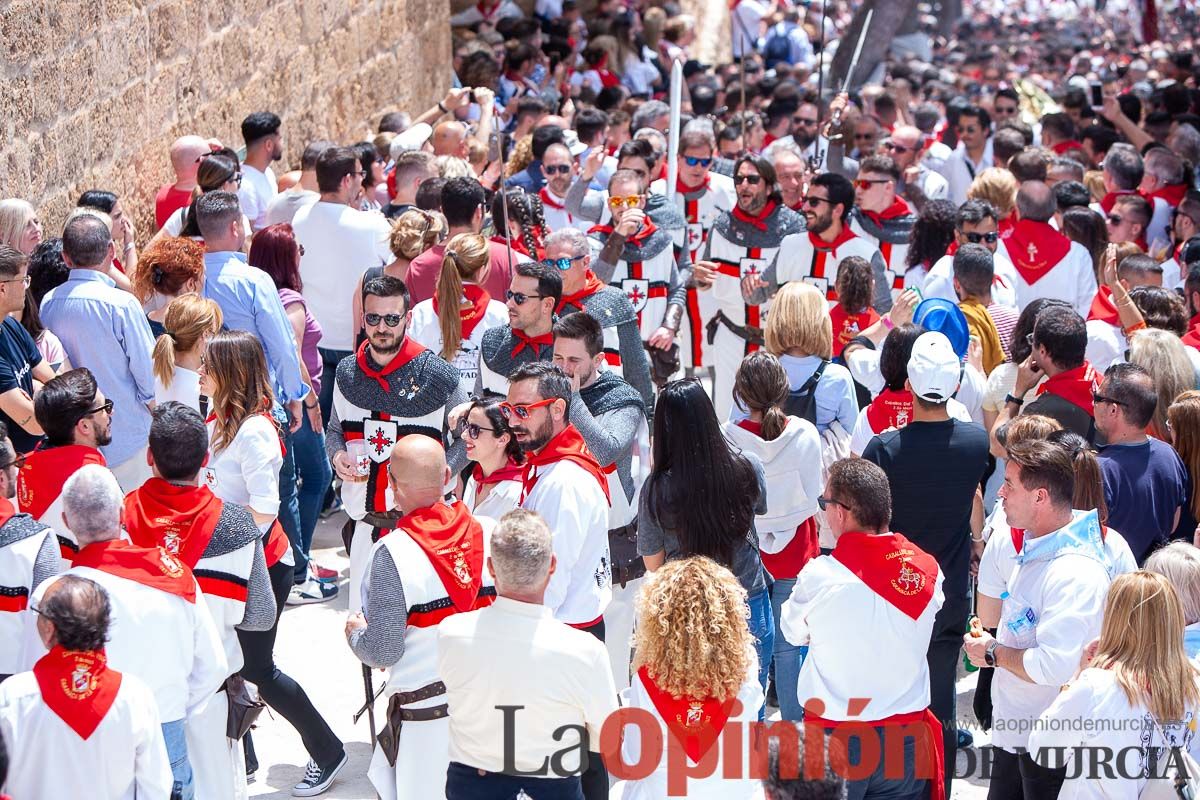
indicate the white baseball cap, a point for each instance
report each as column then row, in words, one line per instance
column 412, row 138
column 934, row 369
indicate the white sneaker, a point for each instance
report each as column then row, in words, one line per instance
column 311, row 591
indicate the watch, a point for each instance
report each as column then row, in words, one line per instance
column 989, row 655
column 1016, row 401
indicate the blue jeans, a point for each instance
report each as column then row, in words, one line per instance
column 177, row 754
column 881, row 784
column 289, row 507
column 788, row 657
column 315, row 474
column 762, row 628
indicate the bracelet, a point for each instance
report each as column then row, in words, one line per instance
column 442, row 107
column 887, row 322
column 314, row 405
column 1135, row 327
column 1016, row 401
column 129, row 247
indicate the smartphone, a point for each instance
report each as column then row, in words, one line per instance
column 1097, row 95
column 494, row 146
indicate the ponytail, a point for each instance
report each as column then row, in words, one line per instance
column 164, row 359
column 761, row 384
column 1089, row 478
column 773, row 422
column 449, row 295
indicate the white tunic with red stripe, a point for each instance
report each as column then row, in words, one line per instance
column 647, row 284
column 39, row 488
column 27, row 552
column 806, row 257
column 895, row 255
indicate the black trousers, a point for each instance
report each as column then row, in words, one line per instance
column 1019, row 777
column 596, row 630
column 278, row 690
column 465, row 783
column 945, row 646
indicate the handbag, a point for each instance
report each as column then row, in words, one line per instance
column 663, row 363
column 1177, row 780
column 244, row 707
column 627, row 564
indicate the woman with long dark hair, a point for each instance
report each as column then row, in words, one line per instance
column 494, row 487
column 246, row 451
column 700, row 500
column 932, row 234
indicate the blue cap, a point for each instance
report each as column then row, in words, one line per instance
column 939, row 314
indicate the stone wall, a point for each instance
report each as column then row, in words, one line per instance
column 94, row 92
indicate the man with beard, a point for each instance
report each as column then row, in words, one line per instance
column 974, row 153
column 559, row 170
column 611, row 418
column 647, row 266
column 1185, row 224
column 391, row 387
column 28, row 556
column 813, row 256
column 882, row 217
column 77, row 420
column 531, row 299
column 264, row 146
column 740, row 245
column 608, row 305
column 565, row 484
column 701, row 196
column 918, row 183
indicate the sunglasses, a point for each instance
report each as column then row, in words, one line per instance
column 632, row 201
column 813, row 201
column 825, row 502
column 896, row 148
column 556, row 169
column 1006, row 109
column 521, row 410
column 692, row 161
column 1098, row 398
column 237, row 178
column 753, row 180
column 969, row 129
column 391, row 320
column 803, row 121
column 18, row 462
column 520, row 297
column 867, row 183
column 562, row 264
column 976, row 238
column 1114, row 219
column 471, row 430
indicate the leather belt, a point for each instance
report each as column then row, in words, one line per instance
column 397, row 715
column 749, row 333
column 387, row 519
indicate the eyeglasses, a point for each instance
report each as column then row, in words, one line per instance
column 967, row 129
column 1098, row 398
column 391, row 320
column 562, row 264
column 556, row 169
column 521, row 410
column 18, row 462
column 812, row 201
column 896, row 148
column 471, row 430
column 975, row 238
column 641, row 173
column 520, row 297
column 237, row 178
column 1114, row 219
column 692, row 161
column 631, row 201
column 825, row 502
column 24, row 279
column 753, row 180
column 358, row 174
column 867, row 183
column 1006, row 109
column 106, row 407
column 804, row 121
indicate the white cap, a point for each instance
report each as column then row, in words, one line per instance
column 410, row 139
column 933, row 368
column 571, row 140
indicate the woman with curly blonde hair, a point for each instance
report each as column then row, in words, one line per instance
column 696, row 671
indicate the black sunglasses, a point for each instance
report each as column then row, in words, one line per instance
column 753, row 180
column 976, row 238
column 1098, row 398
column 814, row 201
column 556, row 169
column 18, row 461
column 1114, row 219
column 106, row 407
column 825, row 502
column 471, row 430
column 520, row 297
column 391, row 320
column 896, row 148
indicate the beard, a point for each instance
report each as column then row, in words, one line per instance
column 803, row 139
column 820, row 223
column 539, row 438
column 104, row 437
column 385, row 346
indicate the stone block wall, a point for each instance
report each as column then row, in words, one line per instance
column 92, row 92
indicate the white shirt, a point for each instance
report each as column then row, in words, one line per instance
column 174, row 224
column 1128, row 729
column 426, row 329
column 576, row 510
column 283, row 206
column 503, row 498
column 748, row 16
column 1073, row 279
column 939, row 281
column 256, row 192
column 514, row 653
column 828, row 603
column 246, row 472
column 1106, row 344
column 863, row 364
column 184, row 388
column 340, row 243
column 169, row 643
column 959, row 171
column 124, row 758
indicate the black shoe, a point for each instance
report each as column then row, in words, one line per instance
column 318, row 779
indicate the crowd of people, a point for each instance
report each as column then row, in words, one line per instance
column 627, row 466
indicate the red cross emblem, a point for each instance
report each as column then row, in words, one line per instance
column 380, row 441
column 752, row 269
column 635, row 295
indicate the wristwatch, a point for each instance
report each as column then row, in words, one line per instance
column 1016, row 401
column 989, row 655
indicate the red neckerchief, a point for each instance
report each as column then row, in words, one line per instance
column 843, row 237
column 683, row 188
column 952, row 248
column 1075, row 386
column 591, row 285
column 1103, row 308
column 898, row 208
column 891, row 408
column 648, row 229
column 470, row 315
column 758, row 220
column 1109, row 200
column 566, row 446
column 179, row 519
column 453, row 541
column 751, row 426
column 77, row 686
column 6, row 510
column 149, row 566
column 1192, row 337
column 548, row 200
column 1172, row 193
column 1005, row 226
column 1018, row 537
column 1035, row 248
column 608, row 78
column 798, row 207
column 487, row 11
column 408, row 351
column 695, row 723
column 40, row 481
column 535, row 343
column 511, row 471
column 1069, row 144
column 892, row 567
column 847, row 326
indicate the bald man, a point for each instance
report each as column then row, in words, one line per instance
column 450, row 139
column 429, row 567
column 918, row 183
column 1048, row 264
column 185, row 152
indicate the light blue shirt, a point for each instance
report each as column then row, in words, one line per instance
column 250, row 302
column 105, row 329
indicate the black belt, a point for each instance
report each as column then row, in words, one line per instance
column 749, row 333
column 389, row 737
column 387, row 519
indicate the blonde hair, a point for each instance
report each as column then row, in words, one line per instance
column 1179, row 562
column 653, row 22
column 453, row 167
column 520, row 156
column 414, row 232
column 998, row 187
column 15, row 214
column 1141, row 642
column 188, row 320
column 1094, row 181
column 521, row 548
column 235, row 362
column 1184, row 416
column 88, row 211
column 692, row 634
column 466, row 257
column 799, row 320
column 1028, row 428
column 1163, row 355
